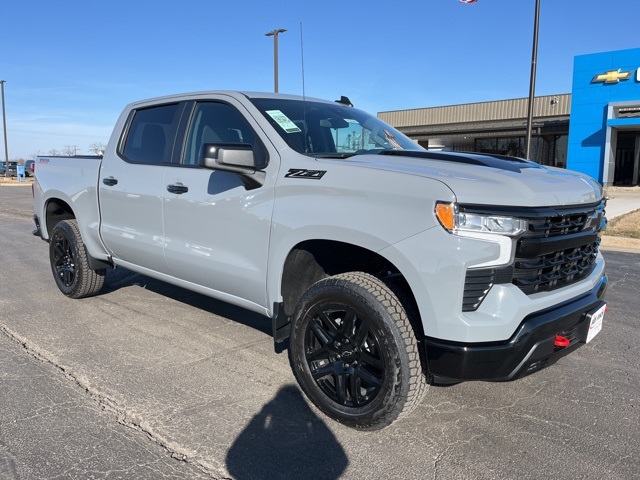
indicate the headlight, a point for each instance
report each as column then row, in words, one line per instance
column 457, row 222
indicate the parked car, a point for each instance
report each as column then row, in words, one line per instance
column 29, row 168
column 13, row 168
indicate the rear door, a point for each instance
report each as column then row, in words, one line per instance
column 132, row 187
column 217, row 231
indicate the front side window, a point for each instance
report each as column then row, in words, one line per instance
column 150, row 134
column 215, row 123
column 330, row 130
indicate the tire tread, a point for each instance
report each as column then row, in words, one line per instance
column 409, row 392
column 88, row 282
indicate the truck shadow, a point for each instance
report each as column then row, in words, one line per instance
column 286, row 440
column 121, row 278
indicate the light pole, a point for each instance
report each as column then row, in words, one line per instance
column 274, row 34
column 532, row 80
column 4, row 127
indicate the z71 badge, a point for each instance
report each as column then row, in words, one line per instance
column 303, row 173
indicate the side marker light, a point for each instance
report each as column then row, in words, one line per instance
column 446, row 215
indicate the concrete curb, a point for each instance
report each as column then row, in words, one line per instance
column 620, row 244
column 12, row 182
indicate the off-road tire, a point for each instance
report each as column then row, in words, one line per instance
column 354, row 352
column 69, row 263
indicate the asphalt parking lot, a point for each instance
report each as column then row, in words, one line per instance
column 147, row 380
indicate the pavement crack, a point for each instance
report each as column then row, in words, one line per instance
column 438, row 460
column 123, row 416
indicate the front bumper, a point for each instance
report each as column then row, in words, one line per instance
column 531, row 348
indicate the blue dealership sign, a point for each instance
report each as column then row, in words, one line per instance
column 605, row 116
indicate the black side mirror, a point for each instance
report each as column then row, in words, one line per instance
column 237, row 158
column 233, row 157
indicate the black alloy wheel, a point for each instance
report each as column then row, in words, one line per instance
column 62, row 261
column 70, row 263
column 354, row 352
column 344, row 355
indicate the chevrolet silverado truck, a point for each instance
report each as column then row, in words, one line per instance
column 384, row 267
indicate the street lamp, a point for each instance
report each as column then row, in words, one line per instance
column 532, row 80
column 274, row 34
column 4, row 126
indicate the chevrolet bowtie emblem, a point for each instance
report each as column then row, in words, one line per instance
column 612, row 76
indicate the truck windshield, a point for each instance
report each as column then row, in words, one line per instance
column 330, row 130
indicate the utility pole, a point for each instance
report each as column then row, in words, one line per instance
column 4, row 126
column 532, row 80
column 274, row 34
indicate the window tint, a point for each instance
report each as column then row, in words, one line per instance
column 214, row 122
column 150, row 137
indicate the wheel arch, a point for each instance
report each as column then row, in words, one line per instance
column 312, row 260
column 55, row 210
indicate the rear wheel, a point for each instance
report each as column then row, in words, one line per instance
column 354, row 352
column 69, row 262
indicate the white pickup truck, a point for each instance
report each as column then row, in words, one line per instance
column 383, row 266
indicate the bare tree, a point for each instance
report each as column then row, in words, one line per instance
column 97, row 148
column 69, row 150
column 54, row 153
column 34, row 155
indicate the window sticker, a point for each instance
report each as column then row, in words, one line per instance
column 284, row 121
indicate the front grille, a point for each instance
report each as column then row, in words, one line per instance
column 555, row 270
column 559, row 248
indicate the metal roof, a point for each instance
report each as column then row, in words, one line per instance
column 549, row 107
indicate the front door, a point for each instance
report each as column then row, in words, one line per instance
column 217, row 231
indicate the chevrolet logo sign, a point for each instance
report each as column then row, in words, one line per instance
column 611, row 76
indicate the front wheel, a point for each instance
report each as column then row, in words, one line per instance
column 69, row 263
column 354, row 352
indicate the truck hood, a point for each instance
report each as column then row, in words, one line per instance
column 490, row 179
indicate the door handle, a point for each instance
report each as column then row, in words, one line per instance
column 177, row 188
column 110, row 181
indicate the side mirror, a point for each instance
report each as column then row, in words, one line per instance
column 231, row 157
column 235, row 158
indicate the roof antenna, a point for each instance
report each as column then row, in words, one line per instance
column 302, row 60
column 304, row 98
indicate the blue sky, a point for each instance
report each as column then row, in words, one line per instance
column 71, row 66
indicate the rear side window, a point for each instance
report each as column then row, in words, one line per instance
column 151, row 133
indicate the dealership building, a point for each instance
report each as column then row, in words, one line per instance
column 595, row 129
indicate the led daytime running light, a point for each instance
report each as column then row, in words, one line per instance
column 458, row 223
column 471, row 222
